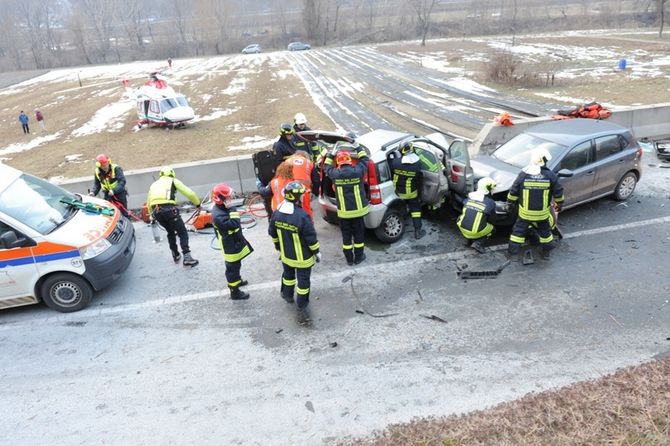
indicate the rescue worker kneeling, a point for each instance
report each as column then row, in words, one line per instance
column 477, row 211
column 294, row 236
column 352, row 201
column 233, row 244
column 533, row 190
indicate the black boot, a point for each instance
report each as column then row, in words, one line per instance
column 287, row 294
column 302, row 301
column 349, row 255
column 360, row 256
column 237, row 294
column 176, row 256
column 243, row 283
column 188, row 260
column 419, row 233
column 478, row 246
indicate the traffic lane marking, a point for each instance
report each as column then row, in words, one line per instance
column 321, row 277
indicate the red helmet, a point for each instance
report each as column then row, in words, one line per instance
column 101, row 160
column 343, row 157
column 221, row 192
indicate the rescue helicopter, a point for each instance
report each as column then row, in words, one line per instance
column 159, row 105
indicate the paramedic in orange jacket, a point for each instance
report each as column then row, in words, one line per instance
column 303, row 171
column 275, row 188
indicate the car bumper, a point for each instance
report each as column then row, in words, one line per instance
column 105, row 268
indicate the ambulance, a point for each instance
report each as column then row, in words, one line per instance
column 57, row 247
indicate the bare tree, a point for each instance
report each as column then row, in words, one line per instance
column 423, row 10
column 311, row 16
column 10, row 38
column 661, row 15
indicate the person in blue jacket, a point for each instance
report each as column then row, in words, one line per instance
column 24, row 119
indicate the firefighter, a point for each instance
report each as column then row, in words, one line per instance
column 532, row 191
column 352, row 201
column 294, row 236
column 233, row 245
column 303, row 170
column 109, row 178
column 274, row 191
column 478, row 208
column 162, row 204
column 408, row 180
column 300, row 125
column 283, row 147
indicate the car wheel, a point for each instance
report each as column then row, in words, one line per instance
column 66, row 292
column 392, row 227
column 625, row 187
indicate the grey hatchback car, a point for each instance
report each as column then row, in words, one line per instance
column 592, row 158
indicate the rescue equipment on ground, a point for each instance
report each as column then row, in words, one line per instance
column 505, row 119
column 592, row 110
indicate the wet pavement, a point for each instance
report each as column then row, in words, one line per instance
column 163, row 356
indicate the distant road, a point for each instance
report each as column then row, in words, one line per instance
column 14, row 77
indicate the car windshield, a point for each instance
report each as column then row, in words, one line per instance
column 517, row 150
column 36, row 203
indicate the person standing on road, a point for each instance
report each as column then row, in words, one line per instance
column 478, row 208
column 161, row 202
column 24, row 119
column 533, row 190
column 39, row 117
column 294, row 236
column 408, row 181
column 283, row 147
column 233, row 244
column 352, row 201
column 109, row 178
column 273, row 192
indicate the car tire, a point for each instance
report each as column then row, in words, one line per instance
column 66, row 292
column 625, row 187
column 392, row 227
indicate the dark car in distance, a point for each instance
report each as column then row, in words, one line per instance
column 298, row 46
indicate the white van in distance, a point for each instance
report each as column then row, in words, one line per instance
column 55, row 246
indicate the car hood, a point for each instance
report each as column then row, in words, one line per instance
column 85, row 227
column 502, row 173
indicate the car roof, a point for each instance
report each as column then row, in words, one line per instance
column 571, row 131
column 7, row 176
column 377, row 139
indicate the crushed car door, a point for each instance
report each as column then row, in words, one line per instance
column 459, row 172
column 432, row 158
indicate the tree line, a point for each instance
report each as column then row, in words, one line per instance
column 42, row 34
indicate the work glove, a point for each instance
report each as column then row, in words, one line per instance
column 318, row 257
column 558, row 207
column 259, row 184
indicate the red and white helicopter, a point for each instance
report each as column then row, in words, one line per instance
column 159, row 105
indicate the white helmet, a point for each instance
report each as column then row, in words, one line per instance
column 299, row 119
column 485, row 185
column 540, row 156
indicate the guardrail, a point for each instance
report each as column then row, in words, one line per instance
column 650, row 121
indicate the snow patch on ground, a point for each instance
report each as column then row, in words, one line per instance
column 283, row 74
column 253, row 143
column 205, row 98
column 110, row 117
column 215, row 115
column 242, row 127
column 35, row 142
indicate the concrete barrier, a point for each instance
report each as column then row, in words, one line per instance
column 201, row 176
column 649, row 121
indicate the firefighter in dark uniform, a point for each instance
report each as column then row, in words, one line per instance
column 283, row 147
column 408, row 180
column 233, row 244
column 352, row 201
column 162, row 204
column 532, row 191
column 109, row 178
column 474, row 221
column 294, row 236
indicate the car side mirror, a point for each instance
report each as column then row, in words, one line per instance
column 565, row 173
column 9, row 240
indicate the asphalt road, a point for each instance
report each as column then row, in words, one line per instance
column 163, row 357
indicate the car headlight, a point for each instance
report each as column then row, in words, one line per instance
column 94, row 249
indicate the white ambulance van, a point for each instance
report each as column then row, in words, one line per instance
column 55, row 246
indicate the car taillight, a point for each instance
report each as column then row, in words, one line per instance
column 639, row 153
column 455, row 170
column 373, row 182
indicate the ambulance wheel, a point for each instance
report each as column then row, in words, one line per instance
column 391, row 227
column 66, row 292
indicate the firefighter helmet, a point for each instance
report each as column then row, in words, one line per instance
column 293, row 191
column 540, row 156
column 299, row 119
column 342, row 157
column 406, row 148
column 101, row 160
column 285, row 129
column 221, row 192
column 486, row 185
column 168, row 172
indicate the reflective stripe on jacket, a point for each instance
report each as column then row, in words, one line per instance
column 112, row 180
column 164, row 191
column 352, row 200
column 474, row 219
column 534, row 193
column 295, row 236
column 228, row 228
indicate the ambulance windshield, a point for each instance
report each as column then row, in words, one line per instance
column 36, row 203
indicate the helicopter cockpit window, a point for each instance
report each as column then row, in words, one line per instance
column 168, row 104
column 182, row 101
